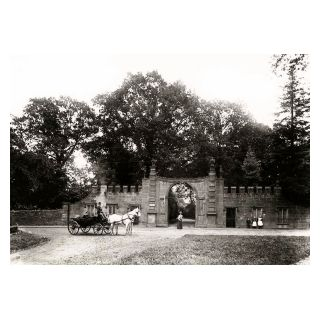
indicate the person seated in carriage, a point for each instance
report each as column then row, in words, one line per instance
column 100, row 213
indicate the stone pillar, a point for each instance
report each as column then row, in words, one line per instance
column 212, row 191
column 66, row 212
column 220, row 213
column 151, row 219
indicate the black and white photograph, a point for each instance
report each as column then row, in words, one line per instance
column 204, row 160
column 160, row 159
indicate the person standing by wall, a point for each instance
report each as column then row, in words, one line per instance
column 260, row 223
column 254, row 223
column 179, row 218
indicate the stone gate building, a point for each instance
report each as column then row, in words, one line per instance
column 216, row 205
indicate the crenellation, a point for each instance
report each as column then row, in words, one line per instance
column 213, row 201
column 277, row 190
column 250, row 190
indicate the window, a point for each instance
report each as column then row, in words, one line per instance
column 257, row 212
column 90, row 208
column 111, row 208
column 283, row 216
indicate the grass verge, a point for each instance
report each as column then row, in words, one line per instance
column 24, row 240
column 225, row 250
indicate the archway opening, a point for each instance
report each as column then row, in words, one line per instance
column 181, row 197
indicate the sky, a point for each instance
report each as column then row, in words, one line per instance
column 245, row 79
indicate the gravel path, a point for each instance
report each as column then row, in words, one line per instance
column 106, row 249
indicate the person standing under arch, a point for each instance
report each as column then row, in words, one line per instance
column 179, row 218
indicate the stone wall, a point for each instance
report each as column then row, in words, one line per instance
column 213, row 202
column 39, row 217
column 267, row 202
column 119, row 198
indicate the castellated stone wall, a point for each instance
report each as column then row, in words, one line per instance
column 268, row 203
column 114, row 199
column 217, row 206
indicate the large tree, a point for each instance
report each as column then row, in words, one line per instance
column 144, row 119
column 42, row 143
column 147, row 118
column 291, row 139
column 55, row 127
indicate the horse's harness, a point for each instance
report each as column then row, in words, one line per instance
column 131, row 219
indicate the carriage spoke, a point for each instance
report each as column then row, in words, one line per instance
column 98, row 228
column 73, row 228
column 85, row 229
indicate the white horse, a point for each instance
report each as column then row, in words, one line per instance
column 126, row 219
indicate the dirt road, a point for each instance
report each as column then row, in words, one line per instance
column 106, row 249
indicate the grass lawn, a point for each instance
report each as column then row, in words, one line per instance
column 227, row 250
column 24, row 240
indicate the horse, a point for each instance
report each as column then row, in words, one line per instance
column 126, row 219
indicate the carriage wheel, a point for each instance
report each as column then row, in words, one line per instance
column 85, row 229
column 98, row 228
column 106, row 229
column 73, row 227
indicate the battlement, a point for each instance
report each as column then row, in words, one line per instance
column 270, row 190
column 115, row 189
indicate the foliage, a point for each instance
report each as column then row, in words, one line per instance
column 252, row 168
column 80, row 181
column 35, row 180
column 291, row 134
column 147, row 118
column 25, row 240
column 181, row 198
column 55, row 127
column 42, row 142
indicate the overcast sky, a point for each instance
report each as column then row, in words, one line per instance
column 247, row 79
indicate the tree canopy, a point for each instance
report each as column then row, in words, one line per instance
column 42, row 143
column 291, row 132
column 147, row 119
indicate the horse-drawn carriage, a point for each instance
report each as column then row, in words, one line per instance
column 85, row 223
column 100, row 225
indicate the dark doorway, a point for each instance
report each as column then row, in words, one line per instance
column 181, row 197
column 231, row 218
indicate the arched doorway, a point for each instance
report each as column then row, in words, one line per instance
column 182, row 197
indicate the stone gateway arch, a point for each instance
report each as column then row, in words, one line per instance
column 155, row 198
